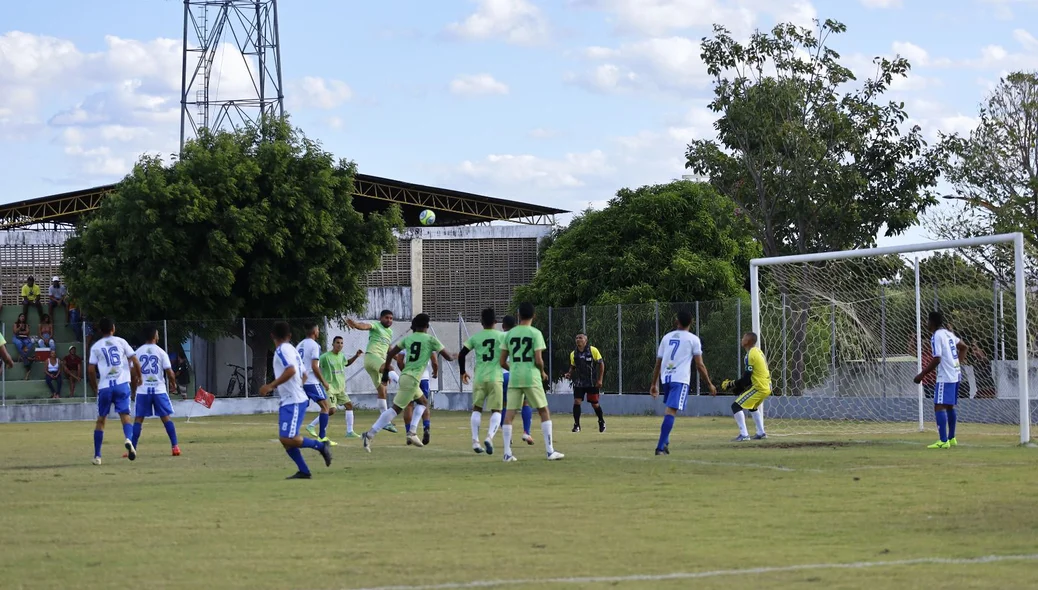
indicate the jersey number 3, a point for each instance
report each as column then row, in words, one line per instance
column 488, row 350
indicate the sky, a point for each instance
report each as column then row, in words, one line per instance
column 555, row 102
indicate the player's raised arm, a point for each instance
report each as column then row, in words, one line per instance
column 354, row 358
column 364, row 327
column 705, row 374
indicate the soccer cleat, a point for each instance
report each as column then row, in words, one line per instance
column 97, row 460
column 412, row 439
column 939, row 445
column 328, row 441
column 489, row 446
column 176, row 450
column 666, row 448
column 662, row 452
column 760, row 436
column 299, row 475
column 476, row 448
column 352, row 434
column 131, row 453
column 527, row 438
column 425, row 437
column 601, row 426
column 312, row 431
column 576, row 428
column 953, row 442
column 390, row 428
column 740, row 438
column 556, row 456
column 326, row 453
column 509, row 459
column 366, row 440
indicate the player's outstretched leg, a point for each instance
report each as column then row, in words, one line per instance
column 138, row 427
column 412, row 431
column 495, row 424
column 475, row 421
column 171, row 432
column 384, row 418
column 663, row 445
column 506, row 435
column 527, row 414
column 546, row 430
column 740, row 421
column 312, row 427
column 349, row 421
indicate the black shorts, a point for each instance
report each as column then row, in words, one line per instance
column 591, row 393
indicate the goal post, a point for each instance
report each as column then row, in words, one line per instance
column 842, row 332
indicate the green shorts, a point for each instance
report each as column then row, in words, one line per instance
column 488, row 394
column 534, row 395
column 338, row 398
column 410, row 390
column 373, row 367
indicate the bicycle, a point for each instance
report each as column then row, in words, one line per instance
column 237, row 380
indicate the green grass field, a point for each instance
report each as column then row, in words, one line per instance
column 714, row 514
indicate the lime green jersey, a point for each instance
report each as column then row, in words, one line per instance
column 418, row 348
column 521, row 342
column 333, row 367
column 379, row 339
column 487, row 345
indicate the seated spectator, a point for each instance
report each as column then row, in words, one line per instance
column 73, row 365
column 23, row 341
column 57, row 295
column 46, row 333
column 53, row 376
column 31, row 296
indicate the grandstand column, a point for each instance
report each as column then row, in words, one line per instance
column 417, row 272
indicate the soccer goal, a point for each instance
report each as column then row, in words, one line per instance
column 844, row 334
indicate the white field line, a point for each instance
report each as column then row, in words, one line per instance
column 711, row 573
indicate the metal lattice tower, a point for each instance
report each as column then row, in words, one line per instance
column 252, row 27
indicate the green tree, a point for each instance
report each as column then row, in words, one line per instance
column 815, row 166
column 673, row 242
column 254, row 223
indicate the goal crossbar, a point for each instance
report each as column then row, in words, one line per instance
column 1017, row 239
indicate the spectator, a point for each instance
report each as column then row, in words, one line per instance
column 58, row 296
column 23, row 341
column 53, row 376
column 182, row 370
column 73, row 369
column 46, row 333
column 31, row 296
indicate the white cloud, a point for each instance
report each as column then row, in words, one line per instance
column 477, row 85
column 663, row 17
column 915, row 54
column 542, row 133
column 882, row 3
column 668, row 63
column 1004, row 8
column 573, row 170
column 319, row 93
column 335, row 123
column 515, row 21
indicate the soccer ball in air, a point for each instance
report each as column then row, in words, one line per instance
column 427, row 217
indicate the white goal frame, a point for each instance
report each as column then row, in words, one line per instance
column 1017, row 239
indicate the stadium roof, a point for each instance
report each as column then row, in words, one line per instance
column 371, row 193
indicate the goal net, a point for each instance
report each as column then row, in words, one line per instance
column 845, row 333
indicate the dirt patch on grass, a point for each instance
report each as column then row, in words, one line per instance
column 801, row 445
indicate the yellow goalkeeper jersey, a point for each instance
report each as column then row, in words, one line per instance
column 757, row 365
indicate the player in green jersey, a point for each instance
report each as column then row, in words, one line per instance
column 522, row 356
column 488, row 387
column 419, row 347
column 333, row 366
column 380, row 336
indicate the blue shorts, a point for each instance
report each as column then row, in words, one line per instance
column 946, row 394
column 674, row 395
column 424, row 386
column 315, row 392
column 153, row 404
column 116, row 395
column 290, row 418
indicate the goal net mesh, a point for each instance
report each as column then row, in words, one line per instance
column 842, row 343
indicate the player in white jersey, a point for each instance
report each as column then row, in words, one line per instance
column 314, row 384
column 947, row 351
column 288, row 380
column 674, row 358
column 112, row 364
column 152, row 388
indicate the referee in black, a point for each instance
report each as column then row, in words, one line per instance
column 586, row 370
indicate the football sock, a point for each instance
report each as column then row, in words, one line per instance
column 527, row 419
column 383, row 405
column 172, row 432
column 137, row 427
column 309, row 443
column 128, row 431
column 598, row 412
column 495, row 424
column 316, row 421
column 474, row 422
column 349, row 420
column 546, row 431
column 942, row 424
column 99, row 436
column 506, row 434
column 416, row 419
column 740, row 421
column 665, row 428
column 297, row 456
column 576, row 415
column 384, row 418
column 953, row 417
column 758, row 420
column 323, row 431
column 426, row 423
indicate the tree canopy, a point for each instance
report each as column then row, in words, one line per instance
column 672, row 242
column 816, row 164
column 252, row 223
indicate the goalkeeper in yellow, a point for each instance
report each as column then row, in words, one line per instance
column 751, row 389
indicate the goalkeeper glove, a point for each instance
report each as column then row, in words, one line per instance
column 727, row 385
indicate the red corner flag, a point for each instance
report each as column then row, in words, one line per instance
column 204, row 397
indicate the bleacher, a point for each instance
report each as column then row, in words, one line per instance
column 15, row 386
